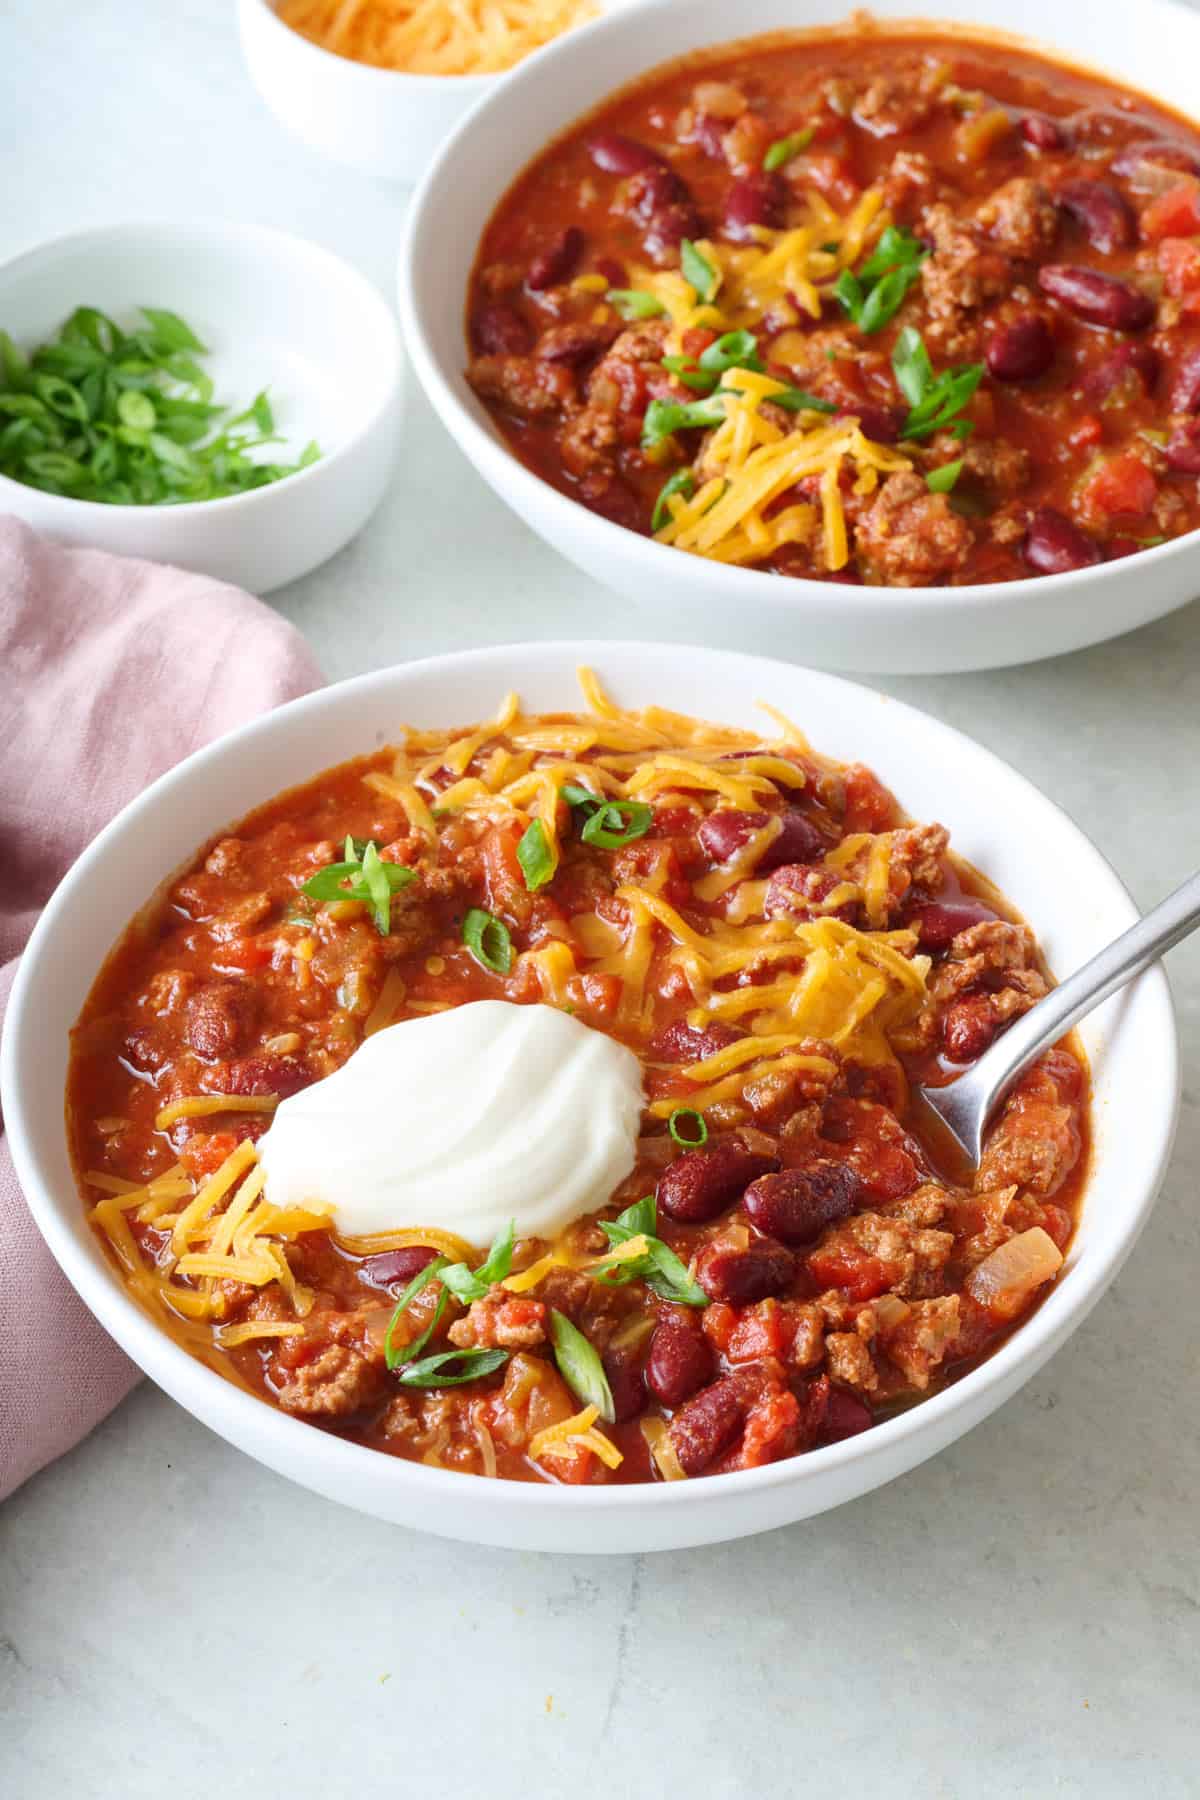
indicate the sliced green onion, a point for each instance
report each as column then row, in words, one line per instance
column 472, row 1365
column 488, row 940
column 659, row 1267
column 618, row 822
column 533, row 854
column 940, row 481
column 394, row 1356
column 682, row 482
column 697, row 1128
column 638, row 1220
column 797, row 400
column 783, row 149
column 126, row 417
column 665, row 417
column 875, row 293
column 733, row 350
column 364, row 876
column 934, row 400
column 466, row 1284
column 635, row 303
column 580, row 1366
column 697, row 270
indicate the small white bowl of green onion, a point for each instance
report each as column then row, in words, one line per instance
column 218, row 396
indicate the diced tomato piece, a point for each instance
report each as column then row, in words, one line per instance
column 1175, row 214
column 503, row 880
column 697, row 340
column 574, row 1468
column 246, row 953
column 759, row 1331
column 869, row 805
column 860, row 1275
column 1179, row 260
column 597, row 995
column 1120, row 484
column 1056, row 1223
column 1088, row 432
column 832, row 176
column 203, row 1154
column 718, row 1322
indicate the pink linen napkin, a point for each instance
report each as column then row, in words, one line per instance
column 86, row 639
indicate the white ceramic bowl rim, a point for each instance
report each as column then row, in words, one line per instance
column 718, row 581
column 261, row 1424
column 200, row 228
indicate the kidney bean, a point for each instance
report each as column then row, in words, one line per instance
column 799, row 888
column 1042, row 132
column 707, row 1424
column 1125, row 366
column 1103, row 213
column 576, row 342
column 724, row 833
column 680, row 1042
column 396, row 1268
column 940, row 921
column 757, row 199
column 557, row 261
column 741, row 1277
column 1099, row 299
column 1182, row 449
column 612, row 271
column 282, row 1075
column 624, row 1384
column 1160, row 153
column 845, row 1416
column 1021, row 350
column 968, row 1027
column 876, row 422
column 220, row 1018
column 702, row 1183
column 499, row 330
column 1118, row 547
column 661, row 204
column 617, row 154
column 796, row 1205
column 680, row 1361
column 1184, row 395
column 1053, row 545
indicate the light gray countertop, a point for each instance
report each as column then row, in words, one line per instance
column 1020, row 1616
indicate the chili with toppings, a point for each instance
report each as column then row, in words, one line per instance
column 870, row 308
column 793, row 1256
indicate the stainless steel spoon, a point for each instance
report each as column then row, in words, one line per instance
column 966, row 1105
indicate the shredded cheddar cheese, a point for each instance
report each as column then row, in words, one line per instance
column 577, row 1432
column 434, row 37
column 203, row 1105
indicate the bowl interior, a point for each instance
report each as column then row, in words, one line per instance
column 1044, row 864
column 273, row 311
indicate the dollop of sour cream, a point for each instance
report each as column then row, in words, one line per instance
column 463, row 1120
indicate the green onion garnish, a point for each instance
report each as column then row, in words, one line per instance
column 665, row 417
column 797, row 400
column 659, row 1267
column 734, row 350
column 699, row 271
column 696, row 1132
column 635, row 303
column 488, row 940
column 580, row 1366
column 874, row 294
column 934, row 400
column 471, row 1365
column 682, row 482
column 533, row 854
column 467, row 1285
column 364, row 876
column 783, row 149
column 392, row 1356
column 617, row 822
column 940, row 481
column 127, row 418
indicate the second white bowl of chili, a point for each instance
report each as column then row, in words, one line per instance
column 946, row 230
column 1067, row 892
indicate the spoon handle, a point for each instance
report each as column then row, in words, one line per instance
column 982, row 1088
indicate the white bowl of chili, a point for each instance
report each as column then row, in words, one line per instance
column 973, row 623
column 244, row 317
column 1068, row 892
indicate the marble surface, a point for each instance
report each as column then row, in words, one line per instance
column 1020, row 1616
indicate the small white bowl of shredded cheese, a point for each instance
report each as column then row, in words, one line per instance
column 378, row 84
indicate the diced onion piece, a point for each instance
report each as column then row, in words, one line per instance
column 658, row 1440
column 1004, row 1280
